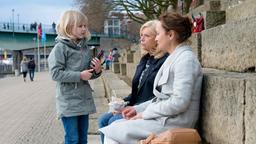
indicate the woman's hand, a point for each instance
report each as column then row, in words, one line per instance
column 129, row 112
column 96, row 65
column 137, row 116
column 86, row 74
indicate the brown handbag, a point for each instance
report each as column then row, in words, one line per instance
column 174, row 136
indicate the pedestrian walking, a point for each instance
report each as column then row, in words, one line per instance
column 71, row 65
column 31, row 69
column 24, row 68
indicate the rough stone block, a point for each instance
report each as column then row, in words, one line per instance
column 131, row 68
column 231, row 46
column 136, row 57
column 241, row 11
column 129, row 57
column 227, row 4
column 115, row 86
column 122, row 58
column 116, row 67
column 121, row 93
column 222, row 107
column 93, row 126
column 250, row 111
column 196, row 40
column 214, row 18
column 206, row 5
column 122, row 69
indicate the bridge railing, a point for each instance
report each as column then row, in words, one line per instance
column 26, row 28
column 5, row 69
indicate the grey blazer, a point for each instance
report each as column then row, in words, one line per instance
column 177, row 88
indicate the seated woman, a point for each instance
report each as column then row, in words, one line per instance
column 142, row 83
column 177, row 88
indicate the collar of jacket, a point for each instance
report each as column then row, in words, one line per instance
column 81, row 44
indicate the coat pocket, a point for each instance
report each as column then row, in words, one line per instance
column 67, row 88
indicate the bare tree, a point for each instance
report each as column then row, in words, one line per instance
column 187, row 5
column 150, row 8
column 96, row 11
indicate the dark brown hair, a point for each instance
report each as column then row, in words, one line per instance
column 182, row 25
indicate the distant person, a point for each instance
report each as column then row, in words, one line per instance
column 8, row 26
column 31, row 69
column 35, row 26
column 23, row 27
column 198, row 23
column 54, row 27
column 4, row 26
column 108, row 60
column 39, row 30
column 71, row 65
column 115, row 55
column 24, row 67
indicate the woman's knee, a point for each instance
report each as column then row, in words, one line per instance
column 114, row 118
column 103, row 120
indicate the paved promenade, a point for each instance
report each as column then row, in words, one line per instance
column 27, row 111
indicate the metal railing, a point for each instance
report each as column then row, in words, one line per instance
column 5, row 69
column 27, row 28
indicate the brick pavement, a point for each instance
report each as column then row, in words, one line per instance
column 27, row 111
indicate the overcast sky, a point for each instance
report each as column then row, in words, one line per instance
column 44, row 11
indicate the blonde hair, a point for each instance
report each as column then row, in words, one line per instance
column 68, row 20
column 24, row 58
column 157, row 53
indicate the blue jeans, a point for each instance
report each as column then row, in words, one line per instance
column 105, row 120
column 76, row 129
column 31, row 74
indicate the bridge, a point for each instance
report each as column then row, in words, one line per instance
column 20, row 38
column 23, row 37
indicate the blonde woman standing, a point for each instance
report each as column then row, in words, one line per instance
column 69, row 64
column 24, row 68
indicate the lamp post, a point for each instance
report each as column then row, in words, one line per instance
column 182, row 6
column 13, row 22
column 18, row 15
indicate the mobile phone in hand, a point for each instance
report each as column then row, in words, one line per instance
column 99, row 56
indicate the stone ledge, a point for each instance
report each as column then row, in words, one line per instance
column 212, row 5
column 227, row 107
column 130, row 70
column 241, row 11
column 231, row 46
column 115, row 86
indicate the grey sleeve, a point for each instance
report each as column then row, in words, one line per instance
column 141, row 107
column 57, row 62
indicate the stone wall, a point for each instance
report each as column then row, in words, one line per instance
column 227, row 52
column 233, row 47
column 227, row 107
column 229, row 88
column 241, row 11
column 225, row 4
